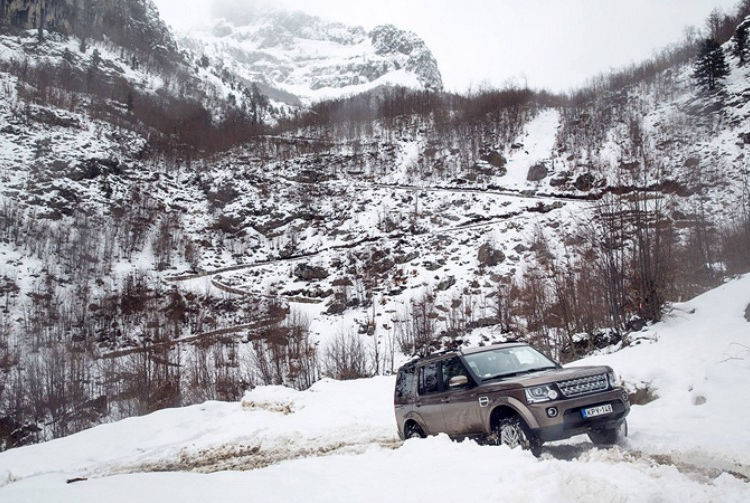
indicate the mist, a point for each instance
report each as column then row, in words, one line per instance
column 480, row 43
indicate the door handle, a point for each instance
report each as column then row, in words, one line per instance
column 445, row 400
column 417, row 404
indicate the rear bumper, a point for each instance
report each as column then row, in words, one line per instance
column 570, row 422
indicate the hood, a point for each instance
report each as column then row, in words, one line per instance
column 544, row 377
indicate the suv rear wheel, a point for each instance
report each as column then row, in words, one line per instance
column 609, row 436
column 513, row 432
column 414, row 431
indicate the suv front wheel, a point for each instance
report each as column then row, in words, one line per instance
column 513, row 432
column 609, row 436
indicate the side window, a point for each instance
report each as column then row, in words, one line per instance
column 429, row 381
column 453, row 368
column 405, row 384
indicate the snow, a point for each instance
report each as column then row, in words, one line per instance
column 310, row 58
column 698, row 367
column 435, row 469
column 337, row 441
column 279, row 422
column 538, row 141
column 398, row 78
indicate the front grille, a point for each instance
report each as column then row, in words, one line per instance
column 583, row 385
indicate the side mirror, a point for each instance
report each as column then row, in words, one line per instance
column 458, row 381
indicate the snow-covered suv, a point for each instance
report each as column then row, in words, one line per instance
column 508, row 394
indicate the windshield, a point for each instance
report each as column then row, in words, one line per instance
column 503, row 362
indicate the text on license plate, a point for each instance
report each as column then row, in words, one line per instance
column 597, row 411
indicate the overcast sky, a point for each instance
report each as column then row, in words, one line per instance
column 552, row 44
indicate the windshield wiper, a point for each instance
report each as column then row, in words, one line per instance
column 509, row 374
column 539, row 369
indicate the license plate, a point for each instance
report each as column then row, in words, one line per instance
column 597, row 411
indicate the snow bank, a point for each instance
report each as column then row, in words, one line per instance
column 699, row 367
column 271, row 424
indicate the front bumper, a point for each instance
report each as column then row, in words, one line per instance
column 569, row 422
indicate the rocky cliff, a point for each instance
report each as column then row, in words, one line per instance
column 134, row 24
column 314, row 59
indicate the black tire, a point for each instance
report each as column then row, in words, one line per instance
column 514, row 432
column 413, row 431
column 609, row 437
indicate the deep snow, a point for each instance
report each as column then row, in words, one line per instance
column 337, row 441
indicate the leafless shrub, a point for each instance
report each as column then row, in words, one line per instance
column 345, row 357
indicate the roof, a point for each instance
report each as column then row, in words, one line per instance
column 459, row 351
column 501, row 345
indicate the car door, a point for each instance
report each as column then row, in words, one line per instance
column 428, row 404
column 460, row 404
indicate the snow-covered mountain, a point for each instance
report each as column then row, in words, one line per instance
column 294, row 56
column 337, row 441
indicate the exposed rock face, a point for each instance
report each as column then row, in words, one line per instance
column 134, row 24
column 390, row 41
column 31, row 14
column 294, row 56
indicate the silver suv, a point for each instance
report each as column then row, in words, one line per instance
column 508, row 394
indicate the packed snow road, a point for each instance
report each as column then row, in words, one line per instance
column 337, row 441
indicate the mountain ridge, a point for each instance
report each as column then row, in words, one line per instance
column 315, row 59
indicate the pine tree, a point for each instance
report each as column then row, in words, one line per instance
column 96, row 58
column 711, row 66
column 739, row 47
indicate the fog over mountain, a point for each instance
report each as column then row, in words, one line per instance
column 552, row 45
column 296, row 57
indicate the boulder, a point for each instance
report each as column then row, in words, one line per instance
column 307, row 272
column 489, row 256
column 336, row 307
column 494, row 158
column 537, row 173
column 446, row 283
column 691, row 162
column 585, row 182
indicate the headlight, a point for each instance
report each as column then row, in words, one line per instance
column 614, row 382
column 539, row 394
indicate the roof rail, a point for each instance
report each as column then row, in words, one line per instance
column 455, row 349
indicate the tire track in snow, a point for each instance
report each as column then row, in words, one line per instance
column 253, row 456
column 702, row 468
column 250, row 456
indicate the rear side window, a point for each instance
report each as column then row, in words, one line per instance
column 405, row 384
column 429, row 378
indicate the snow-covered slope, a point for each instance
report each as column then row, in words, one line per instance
column 313, row 59
column 697, row 362
column 690, row 444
